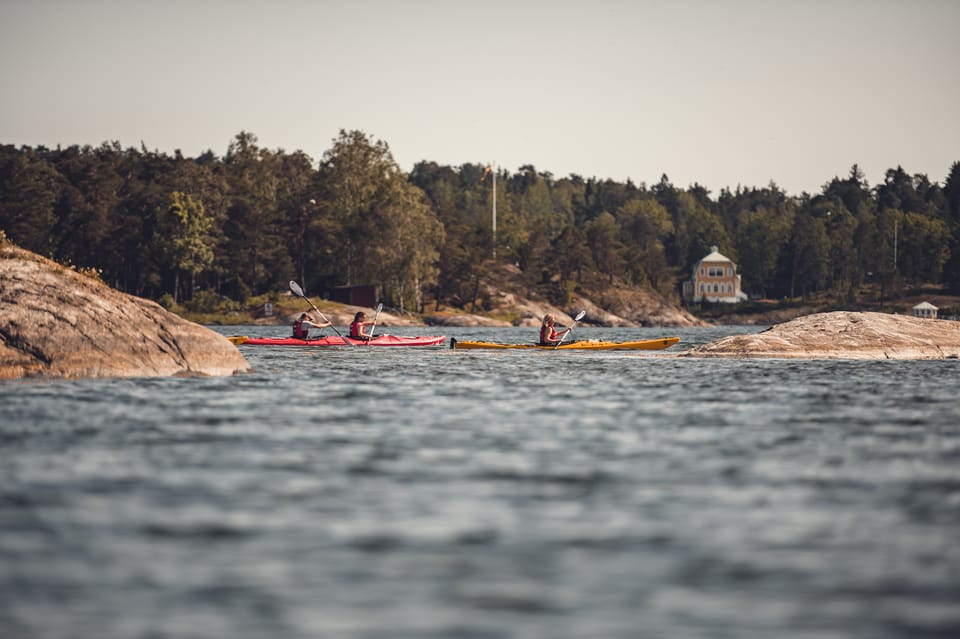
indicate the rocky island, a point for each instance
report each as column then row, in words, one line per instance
column 843, row 335
column 55, row 322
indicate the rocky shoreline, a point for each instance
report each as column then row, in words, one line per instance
column 55, row 322
column 843, row 335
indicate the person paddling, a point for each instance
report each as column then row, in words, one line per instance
column 303, row 324
column 548, row 331
column 358, row 327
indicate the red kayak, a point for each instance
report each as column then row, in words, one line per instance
column 336, row 340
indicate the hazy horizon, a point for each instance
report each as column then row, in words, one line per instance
column 721, row 94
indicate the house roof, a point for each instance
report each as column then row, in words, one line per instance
column 927, row 306
column 715, row 256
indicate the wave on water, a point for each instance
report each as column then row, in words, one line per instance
column 439, row 493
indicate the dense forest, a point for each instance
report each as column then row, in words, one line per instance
column 209, row 228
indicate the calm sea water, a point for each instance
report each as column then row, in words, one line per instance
column 401, row 493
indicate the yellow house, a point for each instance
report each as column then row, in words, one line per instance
column 715, row 279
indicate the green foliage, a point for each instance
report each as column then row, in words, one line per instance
column 761, row 238
column 202, row 234
column 185, row 237
column 809, row 247
column 923, row 248
column 644, row 224
column 256, row 251
column 207, row 301
column 603, row 237
column 387, row 233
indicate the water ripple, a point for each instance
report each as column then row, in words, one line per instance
column 437, row 493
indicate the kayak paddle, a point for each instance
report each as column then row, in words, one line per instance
column 375, row 318
column 570, row 330
column 299, row 293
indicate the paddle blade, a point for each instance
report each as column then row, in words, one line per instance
column 375, row 319
column 579, row 316
column 296, row 289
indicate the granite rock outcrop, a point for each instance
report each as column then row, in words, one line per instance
column 56, row 322
column 843, row 335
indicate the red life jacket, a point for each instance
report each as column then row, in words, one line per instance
column 355, row 329
column 299, row 330
column 548, row 334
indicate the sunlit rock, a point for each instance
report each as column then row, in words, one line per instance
column 844, row 335
column 462, row 319
column 55, row 322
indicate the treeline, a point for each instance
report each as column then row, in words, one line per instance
column 160, row 226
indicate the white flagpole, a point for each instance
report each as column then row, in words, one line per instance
column 494, row 210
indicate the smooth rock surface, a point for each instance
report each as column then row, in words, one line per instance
column 844, row 335
column 463, row 319
column 55, row 322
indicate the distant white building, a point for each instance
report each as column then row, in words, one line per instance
column 925, row 309
column 715, row 279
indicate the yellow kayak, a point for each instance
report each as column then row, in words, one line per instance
column 584, row 344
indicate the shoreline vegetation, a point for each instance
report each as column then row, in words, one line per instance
column 502, row 304
column 284, row 307
column 61, row 322
column 215, row 239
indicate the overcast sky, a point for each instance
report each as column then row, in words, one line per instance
column 722, row 93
